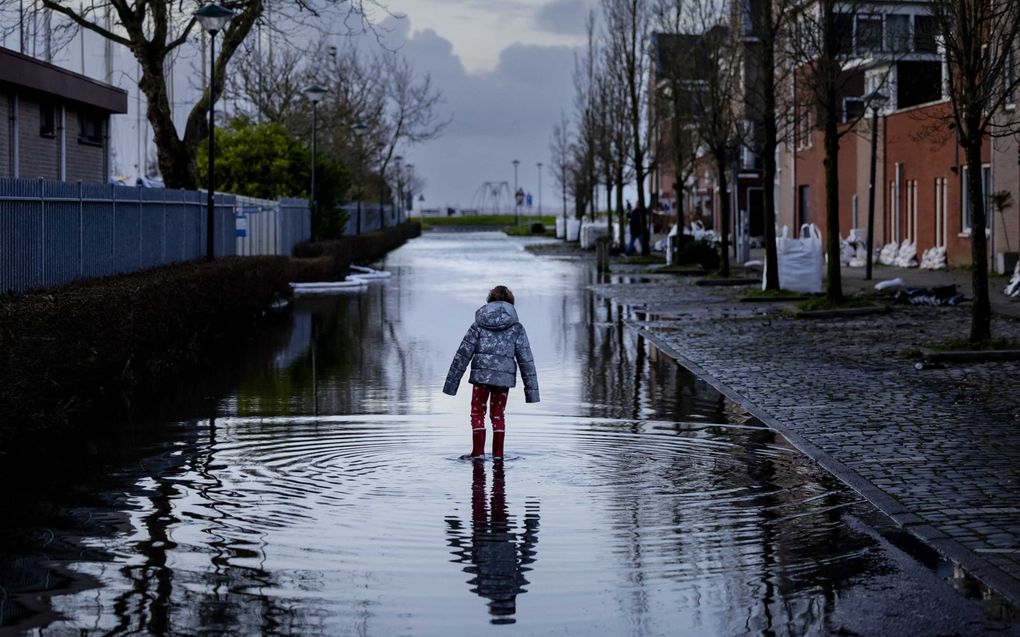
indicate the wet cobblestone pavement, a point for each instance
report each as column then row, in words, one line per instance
column 937, row 449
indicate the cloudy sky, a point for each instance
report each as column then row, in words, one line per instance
column 504, row 69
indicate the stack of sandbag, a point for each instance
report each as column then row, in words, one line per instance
column 846, row 252
column 888, row 254
column 906, row 256
column 1013, row 289
column 591, row 232
column 934, row 259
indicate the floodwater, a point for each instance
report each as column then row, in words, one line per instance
column 327, row 497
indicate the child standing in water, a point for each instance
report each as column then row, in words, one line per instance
column 494, row 345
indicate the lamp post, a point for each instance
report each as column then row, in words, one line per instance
column 397, row 203
column 359, row 130
column 409, row 199
column 314, row 94
column 517, row 203
column 539, row 192
column 213, row 19
column 876, row 101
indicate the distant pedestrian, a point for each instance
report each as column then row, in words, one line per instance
column 495, row 344
column 636, row 229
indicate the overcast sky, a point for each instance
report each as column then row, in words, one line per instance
column 504, row 69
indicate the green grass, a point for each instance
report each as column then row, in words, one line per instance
column 822, row 302
column 484, row 220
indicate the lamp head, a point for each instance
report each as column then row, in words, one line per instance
column 516, row 162
column 876, row 100
column 359, row 128
column 213, row 18
column 314, row 93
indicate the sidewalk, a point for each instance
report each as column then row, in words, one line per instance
column 936, row 449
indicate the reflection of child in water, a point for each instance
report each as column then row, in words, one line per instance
column 494, row 345
column 496, row 554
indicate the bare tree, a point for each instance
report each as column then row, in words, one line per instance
column 825, row 55
column 766, row 26
column 559, row 147
column 980, row 39
column 585, row 146
column 153, row 29
column 628, row 27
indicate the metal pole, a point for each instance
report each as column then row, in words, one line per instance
column 315, row 203
column 361, row 187
column 210, row 224
column 540, row 190
column 871, row 195
column 517, row 206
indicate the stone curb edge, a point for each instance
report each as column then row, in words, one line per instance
column 989, row 574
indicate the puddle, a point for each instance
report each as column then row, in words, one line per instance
column 327, row 497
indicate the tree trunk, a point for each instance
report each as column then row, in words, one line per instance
column 620, row 210
column 724, row 214
column 767, row 55
column 981, row 312
column 834, row 282
column 176, row 156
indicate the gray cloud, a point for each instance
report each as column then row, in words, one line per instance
column 562, row 16
column 498, row 116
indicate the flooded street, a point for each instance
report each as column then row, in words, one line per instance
column 327, row 497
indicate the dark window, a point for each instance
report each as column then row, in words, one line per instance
column 853, row 109
column 47, row 120
column 844, row 34
column 1010, row 77
column 869, row 33
column 924, row 34
column 897, row 33
column 91, row 128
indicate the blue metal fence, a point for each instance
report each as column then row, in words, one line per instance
column 54, row 232
column 372, row 215
column 271, row 227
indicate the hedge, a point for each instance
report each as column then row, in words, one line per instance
column 86, row 352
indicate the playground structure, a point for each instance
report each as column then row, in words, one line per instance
column 493, row 198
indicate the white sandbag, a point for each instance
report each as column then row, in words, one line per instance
column 846, row 252
column 801, row 261
column 934, row 259
column 573, row 229
column 906, row 256
column 591, row 232
column 1013, row 289
column 888, row 254
column 561, row 229
column 891, row 283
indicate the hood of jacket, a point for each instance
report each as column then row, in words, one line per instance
column 498, row 315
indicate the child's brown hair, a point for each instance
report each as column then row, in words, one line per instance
column 500, row 293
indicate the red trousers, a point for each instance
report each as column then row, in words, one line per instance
column 496, row 397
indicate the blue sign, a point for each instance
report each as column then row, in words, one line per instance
column 528, row 199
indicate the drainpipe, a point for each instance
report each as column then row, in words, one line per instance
column 15, row 136
column 62, row 169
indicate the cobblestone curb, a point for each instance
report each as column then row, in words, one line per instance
column 938, row 450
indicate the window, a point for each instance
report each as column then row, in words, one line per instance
column 844, row 34
column 853, row 109
column 47, row 120
column 897, row 33
column 869, row 33
column 986, row 178
column 91, row 127
column 924, row 34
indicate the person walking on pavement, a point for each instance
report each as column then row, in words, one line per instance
column 634, row 219
column 495, row 344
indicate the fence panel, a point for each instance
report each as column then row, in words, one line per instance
column 54, row 232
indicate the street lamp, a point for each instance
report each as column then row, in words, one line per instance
column 213, row 19
column 398, row 203
column 314, row 93
column 359, row 130
column 540, row 191
column 876, row 101
column 409, row 199
column 517, row 204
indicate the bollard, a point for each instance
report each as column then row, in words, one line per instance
column 602, row 254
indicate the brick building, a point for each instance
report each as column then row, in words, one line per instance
column 56, row 123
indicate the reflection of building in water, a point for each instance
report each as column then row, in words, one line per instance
column 496, row 552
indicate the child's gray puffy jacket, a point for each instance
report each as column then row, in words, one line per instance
column 494, row 345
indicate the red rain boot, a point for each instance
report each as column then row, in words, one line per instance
column 497, row 443
column 477, row 444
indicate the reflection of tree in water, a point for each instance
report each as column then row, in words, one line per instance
column 496, row 552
